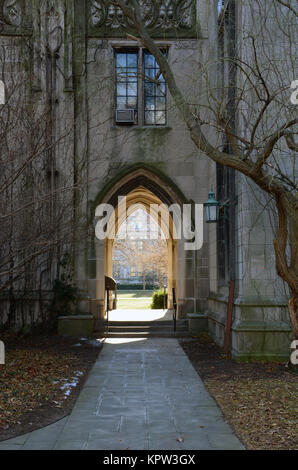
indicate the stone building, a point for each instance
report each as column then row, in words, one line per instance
column 125, row 138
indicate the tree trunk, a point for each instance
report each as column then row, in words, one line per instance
column 288, row 272
column 293, row 310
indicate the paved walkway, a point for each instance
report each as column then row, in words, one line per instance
column 141, row 394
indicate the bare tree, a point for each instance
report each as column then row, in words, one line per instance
column 38, row 228
column 150, row 259
column 158, row 259
column 257, row 121
column 43, row 184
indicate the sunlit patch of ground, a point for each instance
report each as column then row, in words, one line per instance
column 134, row 300
column 123, row 340
column 140, row 315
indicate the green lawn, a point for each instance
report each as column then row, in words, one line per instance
column 134, row 299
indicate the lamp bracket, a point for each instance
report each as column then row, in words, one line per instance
column 226, row 203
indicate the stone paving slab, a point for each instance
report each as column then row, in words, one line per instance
column 140, row 395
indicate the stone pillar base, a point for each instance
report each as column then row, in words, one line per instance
column 253, row 338
column 197, row 323
column 76, row 325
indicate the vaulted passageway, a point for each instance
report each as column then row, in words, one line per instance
column 143, row 189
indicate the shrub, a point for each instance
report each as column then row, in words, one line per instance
column 159, row 299
column 65, row 298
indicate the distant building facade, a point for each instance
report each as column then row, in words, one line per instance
column 133, row 260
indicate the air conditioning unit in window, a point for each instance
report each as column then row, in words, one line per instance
column 125, row 116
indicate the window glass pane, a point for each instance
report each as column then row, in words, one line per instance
column 161, row 89
column 121, row 102
column 158, row 77
column 160, row 117
column 132, row 75
column 149, row 118
column 149, row 89
column 121, row 76
column 149, row 60
column 132, row 89
column 132, row 60
column 161, row 103
column 131, row 101
column 149, row 105
column 121, row 89
column 120, row 60
column 150, row 74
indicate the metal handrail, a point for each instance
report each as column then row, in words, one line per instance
column 110, row 285
column 108, row 310
column 174, row 309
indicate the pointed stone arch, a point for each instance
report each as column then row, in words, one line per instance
column 143, row 186
column 141, row 175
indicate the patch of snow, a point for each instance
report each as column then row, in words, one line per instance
column 67, row 386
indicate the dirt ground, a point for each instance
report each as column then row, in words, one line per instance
column 41, row 380
column 259, row 400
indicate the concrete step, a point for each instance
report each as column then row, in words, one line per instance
column 143, row 329
column 147, row 334
column 166, row 323
column 147, row 328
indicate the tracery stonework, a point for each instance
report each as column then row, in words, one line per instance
column 159, row 16
column 11, row 13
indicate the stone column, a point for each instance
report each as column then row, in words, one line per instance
column 100, row 281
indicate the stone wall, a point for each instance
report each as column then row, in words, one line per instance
column 70, row 66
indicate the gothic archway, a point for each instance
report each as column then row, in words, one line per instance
column 141, row 186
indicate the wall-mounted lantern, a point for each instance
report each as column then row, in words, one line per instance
column 212, row 207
